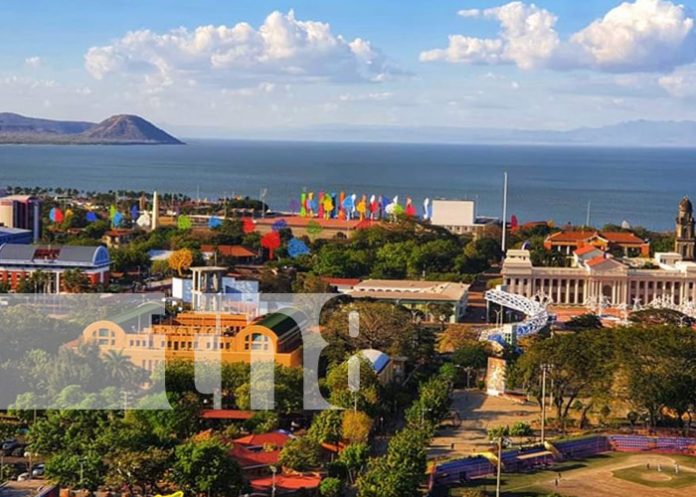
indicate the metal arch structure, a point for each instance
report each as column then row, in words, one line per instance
column 536, row 315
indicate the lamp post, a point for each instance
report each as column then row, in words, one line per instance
column 274, row 470
column 544, row 368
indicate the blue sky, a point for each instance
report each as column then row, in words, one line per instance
column 216, row 67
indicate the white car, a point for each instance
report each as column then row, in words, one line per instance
column 23, row 477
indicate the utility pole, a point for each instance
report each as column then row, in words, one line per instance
column 505, row 188
column 589, row 209
column 543, row 403
column 500, row 463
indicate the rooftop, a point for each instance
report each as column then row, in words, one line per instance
column 445, row 291
column 68, row 254
column 228, row 250
column 584, row 235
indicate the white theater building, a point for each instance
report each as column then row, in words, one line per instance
column 596, row 276
column 602, row 277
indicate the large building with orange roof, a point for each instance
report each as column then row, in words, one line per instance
column 569, row 241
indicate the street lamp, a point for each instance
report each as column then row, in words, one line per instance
column 544, row 369
column 274, row 470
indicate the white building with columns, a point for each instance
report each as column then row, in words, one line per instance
column 614, row 281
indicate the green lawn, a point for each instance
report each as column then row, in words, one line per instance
column 527, row 484
column 652, row 478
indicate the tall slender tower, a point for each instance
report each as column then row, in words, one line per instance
column 155, row 211
column 684, row 239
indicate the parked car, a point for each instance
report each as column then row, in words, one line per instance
column 39, row 471
column 23, row 477
column 8, row 446
column 19, row 451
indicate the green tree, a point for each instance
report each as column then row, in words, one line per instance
column 300, row 454
column 354, row 458
column 383, row 326
column 205, row 468
column 587, row 321
column 331, row 487
column 327, row 426
column 76, row 471
column 139, row 471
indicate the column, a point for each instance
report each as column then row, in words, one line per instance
column 558, row 291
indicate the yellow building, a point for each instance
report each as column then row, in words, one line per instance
column 203, row 336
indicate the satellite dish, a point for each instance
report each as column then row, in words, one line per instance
column 625, row 225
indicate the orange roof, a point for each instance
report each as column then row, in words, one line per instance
column 286, row 482
column 342, row 281
column 570, row 236
column 249, row 459
column 119, row 232
column 586, row 250
column 229, row 250
column 303, row 222
column 230, row 414
column 277, row 438
column 596, row 261
column 621, row 237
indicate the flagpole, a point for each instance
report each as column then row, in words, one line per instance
column 505, row 189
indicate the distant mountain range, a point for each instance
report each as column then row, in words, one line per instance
column 640, row 133
column 116, row 130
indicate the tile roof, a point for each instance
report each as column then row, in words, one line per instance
column 286, row 483
column 570, row 236
column 303, row 222
column 276, row 438
column 229, row 250
column 596, row 261
column 621, row 237
column 227, row 414
column 610, row 236
column 586, row 250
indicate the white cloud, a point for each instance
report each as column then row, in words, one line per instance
column 469, row 12
column 645, row 35
column 33, row 61
column 527, row 38
column 366, row 97
column 282, row 47
column 681, row 83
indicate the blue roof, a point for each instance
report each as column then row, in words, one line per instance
column 379, row 360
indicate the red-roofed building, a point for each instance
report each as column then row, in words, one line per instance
column 342, row 285
column 286, row 484
column 256, row 453
column 117, row 237
column 568, row 242
column 226, row 414
column 237, row 252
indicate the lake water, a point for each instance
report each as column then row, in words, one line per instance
column 642, row 186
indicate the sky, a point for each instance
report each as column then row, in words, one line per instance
column 221, row 67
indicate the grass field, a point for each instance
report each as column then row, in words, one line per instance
column 607, row 475
column 667, row 478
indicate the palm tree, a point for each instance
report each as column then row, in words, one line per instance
column 40, row 281
column 120, row 370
